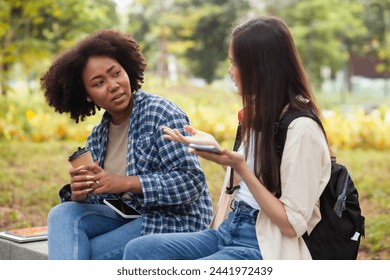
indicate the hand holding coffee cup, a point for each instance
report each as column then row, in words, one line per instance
column 81, row 183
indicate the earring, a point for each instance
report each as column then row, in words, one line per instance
column 89, row 100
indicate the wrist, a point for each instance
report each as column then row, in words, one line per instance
column 66, row 194
column 79, row 198
column 240, row 167
column 133, row 185
column 128, row 184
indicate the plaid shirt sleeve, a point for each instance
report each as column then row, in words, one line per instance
column 179, row 179
column 171, row 178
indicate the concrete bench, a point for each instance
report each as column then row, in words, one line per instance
column 10, row 250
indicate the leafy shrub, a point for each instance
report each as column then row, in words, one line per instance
column 28, row 118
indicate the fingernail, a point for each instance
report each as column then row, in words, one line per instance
column 89, row 177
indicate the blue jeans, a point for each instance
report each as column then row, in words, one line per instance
column 88, row 231
column 235, row 239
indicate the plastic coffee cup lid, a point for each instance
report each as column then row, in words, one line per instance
column 80, row 151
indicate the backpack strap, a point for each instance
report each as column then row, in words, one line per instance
column 280, row 127
column 237, row 142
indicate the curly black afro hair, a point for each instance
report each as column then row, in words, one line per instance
column 62, row 83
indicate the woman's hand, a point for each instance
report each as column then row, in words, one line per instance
column 81, row 182
column 92, row 179
column 225, row 158
column 112, row 183
column 198, row 136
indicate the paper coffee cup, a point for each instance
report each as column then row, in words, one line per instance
column 80, row 157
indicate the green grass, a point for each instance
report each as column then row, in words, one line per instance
column 32, row 173
column 30, row 177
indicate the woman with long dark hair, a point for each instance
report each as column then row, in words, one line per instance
column 277, row 200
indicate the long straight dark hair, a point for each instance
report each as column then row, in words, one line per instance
column 272, row 76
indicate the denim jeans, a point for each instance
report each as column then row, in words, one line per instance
column 235, row 239
column 88, row 231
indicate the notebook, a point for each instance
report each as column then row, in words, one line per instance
column 25, row 234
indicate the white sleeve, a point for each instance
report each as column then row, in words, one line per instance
column 305, row 171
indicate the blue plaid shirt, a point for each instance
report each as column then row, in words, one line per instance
column 175, row 194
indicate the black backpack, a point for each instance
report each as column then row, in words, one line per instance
column 337, row 236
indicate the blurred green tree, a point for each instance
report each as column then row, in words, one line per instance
column 326, row 32
column 195, row 32
column 377, row 20
column 33, row 30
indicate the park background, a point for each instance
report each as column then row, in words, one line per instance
column 344, row 45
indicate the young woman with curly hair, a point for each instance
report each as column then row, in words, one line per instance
column 134, row 162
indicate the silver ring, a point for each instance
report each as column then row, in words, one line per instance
column 97, row 182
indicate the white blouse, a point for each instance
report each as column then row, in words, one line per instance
column 243, row 193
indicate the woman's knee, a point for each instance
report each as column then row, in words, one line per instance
column 142, row 248
column 62, row 210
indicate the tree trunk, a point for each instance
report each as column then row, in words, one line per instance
column 3, row 78
column 162, row 65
